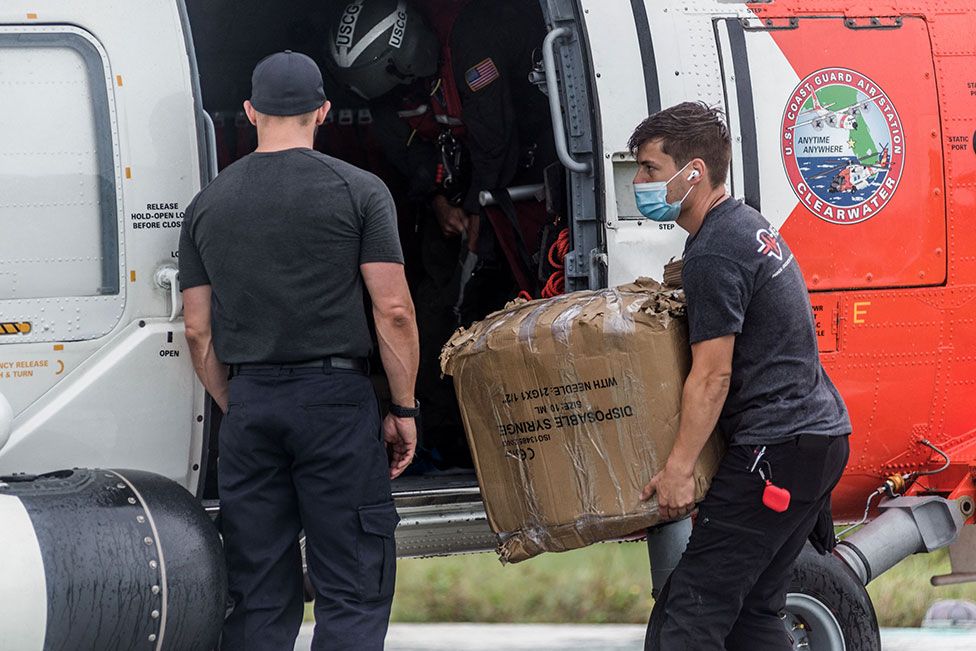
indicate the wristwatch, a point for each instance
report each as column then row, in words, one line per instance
column 405, row 412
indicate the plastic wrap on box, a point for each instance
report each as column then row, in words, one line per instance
column 570, row 406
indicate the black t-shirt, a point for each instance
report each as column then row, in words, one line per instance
column 741, row 278
column 280, row 236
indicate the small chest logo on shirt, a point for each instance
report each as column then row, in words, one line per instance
column 768, row 243
column 481, row 75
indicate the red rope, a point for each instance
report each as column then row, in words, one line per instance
column 559, row 249
column 556, row 284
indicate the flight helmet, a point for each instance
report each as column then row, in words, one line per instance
column 376, row 45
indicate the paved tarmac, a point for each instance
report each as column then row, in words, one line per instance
column 608, row 637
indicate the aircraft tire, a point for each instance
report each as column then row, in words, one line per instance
column 827, row 606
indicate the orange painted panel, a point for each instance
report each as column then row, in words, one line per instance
column 825, row 321
column 862, row 147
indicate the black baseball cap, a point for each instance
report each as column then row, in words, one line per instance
column 287, row 83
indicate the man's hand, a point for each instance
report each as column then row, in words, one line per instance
column 400, row 435
column 675, row 492
column 452, row 219
column 396, row 333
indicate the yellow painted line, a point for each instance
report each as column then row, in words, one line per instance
column 132, row 276
column 128, row 172
column 15, row 327
column 118, row 79
column 31, row 16
column 58, row 346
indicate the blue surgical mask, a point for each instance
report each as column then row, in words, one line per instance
column 652, row 198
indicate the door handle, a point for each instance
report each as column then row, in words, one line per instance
column 167, row 277
column 552, row 88
column 210, row 135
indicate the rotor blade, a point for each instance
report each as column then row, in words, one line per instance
column 842, row 166
column 876, row 154
column 857, row 105
column 832, row 170
column 803, row 124
column 822, row 106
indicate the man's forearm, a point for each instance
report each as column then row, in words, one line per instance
column 701, row 404
column 211, row 371
column 400, row 351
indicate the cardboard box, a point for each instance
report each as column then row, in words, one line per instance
column 570, row 406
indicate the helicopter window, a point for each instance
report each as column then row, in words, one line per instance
column 59, row 204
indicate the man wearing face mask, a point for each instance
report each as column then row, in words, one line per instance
column 756, row 375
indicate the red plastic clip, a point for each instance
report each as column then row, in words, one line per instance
column 775, row 498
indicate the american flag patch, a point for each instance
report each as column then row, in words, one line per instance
column 481, row 75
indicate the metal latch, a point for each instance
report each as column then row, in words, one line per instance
column 167, row 277
column 752, row 24
column 874, row 22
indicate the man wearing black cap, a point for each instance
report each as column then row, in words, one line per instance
column 274, row 254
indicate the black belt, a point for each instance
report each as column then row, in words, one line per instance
column 325, row 364
column 807, row 440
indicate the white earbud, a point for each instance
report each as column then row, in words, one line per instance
column 694, row 175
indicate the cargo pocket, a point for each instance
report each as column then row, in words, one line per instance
column 724, row 535
column 377, row 551
column 731, row 527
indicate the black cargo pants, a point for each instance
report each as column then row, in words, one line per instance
column 730, row 585
column 300, row 448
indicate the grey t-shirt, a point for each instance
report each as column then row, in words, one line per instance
column 280, row 236
column 741, row 278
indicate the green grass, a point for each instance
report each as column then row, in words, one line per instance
column 606, row 583
column 903, row 594
column 600, row 584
